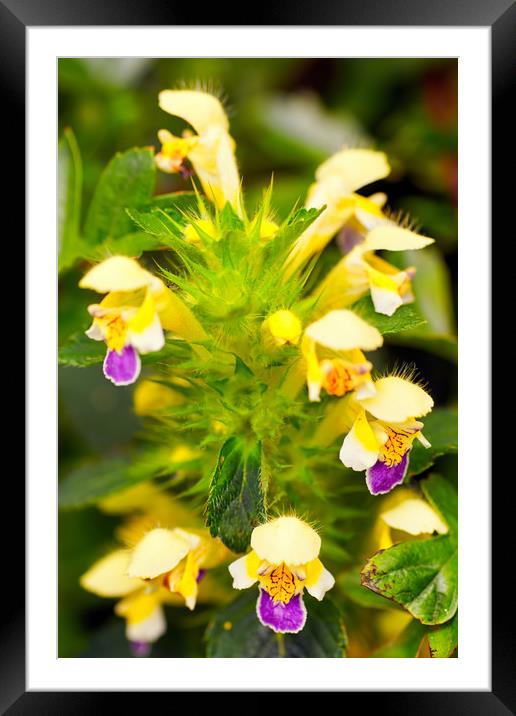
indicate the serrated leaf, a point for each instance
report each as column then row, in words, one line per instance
column 237, row 633
column 443, row 639
column 69, row 199
column 421, row 575
column 80, row 351
column 441, row 429
column 405, row 317
column 357, row 593
column 278, row 247
column 126, row 183
column 90, row 482
column 236, row 502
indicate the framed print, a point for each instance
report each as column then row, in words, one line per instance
column 258, row 356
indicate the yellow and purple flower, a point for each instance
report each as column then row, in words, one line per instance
column 284, row 561
column 132, row 316
column 165, row 567
column 383, row 431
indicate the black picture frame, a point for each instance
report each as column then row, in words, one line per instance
column 500, row 16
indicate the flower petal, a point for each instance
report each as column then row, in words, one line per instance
column 360, row 447
column 390, row 237
column 318, row 580
column 282, row 618
column 381, row 479
column 118, row 273
column 344, row 330
column 356, row 167
column 397, row 399
column 245, row 570
column 286, row 539
column 414, row 516
column 108, row 577
column 150, row 340
column 385, row 292
column 200, row 109
column 159, row 551
column 122, row 368
column 149, row 629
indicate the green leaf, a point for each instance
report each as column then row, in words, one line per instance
column 404, row 318
column 236, row 502
column 181, row 202
column 91, row 482
column 69, row 199
column 126, row 183
column 166, row 227
column 441, row 429
column 405, row 646
column 237, row 633
column 129, row 245
column 443, row 639
column 80, row 351
column 357, row 593
column 422, row 574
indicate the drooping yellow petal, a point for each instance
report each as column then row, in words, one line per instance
column 200, row 109
column 397, row 399
column 344, row 330
column 144, row 317
column 391, row 237
column 414, row 516
column 108, row 577
column 286, row 539
column 385, row 291
column 187, row 584
column 360, row 447
column 245, row 570
column 314, row 374
column 318, row 580
column 356, row 167
column 118, row 273
column 159, row 551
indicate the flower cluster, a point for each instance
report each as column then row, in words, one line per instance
column 247, row 311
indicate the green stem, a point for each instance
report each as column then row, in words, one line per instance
column 281, row 646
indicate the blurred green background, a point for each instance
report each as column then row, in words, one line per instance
column 287, row 115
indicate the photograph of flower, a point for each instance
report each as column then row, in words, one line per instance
column 257, row 358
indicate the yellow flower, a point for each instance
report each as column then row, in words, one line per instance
column 383, row 431
column 361, row 271
column 150, row 397
column 164, row 567
column 337, row 180
column 284, row 560
column 211, row 150
column 340, row 336
column 132, row 316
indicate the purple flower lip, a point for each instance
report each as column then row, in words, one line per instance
column 122, row 367
column 282, row 618
column 140, row 648
column 381, row 478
